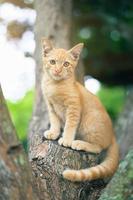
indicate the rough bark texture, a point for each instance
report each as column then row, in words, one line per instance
column 48, row 162
column 121, row 185
column 124, row 126
column 15, row 176
column 49, row 159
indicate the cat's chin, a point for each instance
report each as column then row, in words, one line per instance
column 57, row 78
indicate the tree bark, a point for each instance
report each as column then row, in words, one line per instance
column 15, row 174
column 120, row 187
column 48, row 159
column 124, row 126
column 48, row 163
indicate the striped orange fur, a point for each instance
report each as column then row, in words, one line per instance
column 86, row 123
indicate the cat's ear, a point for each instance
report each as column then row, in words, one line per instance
column 46, row 46
column 76, row 50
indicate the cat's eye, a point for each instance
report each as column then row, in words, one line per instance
column 66, row 64
column 52, row 62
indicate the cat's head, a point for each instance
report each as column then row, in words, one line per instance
column 60, row 63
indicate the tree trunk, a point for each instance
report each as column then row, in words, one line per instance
column 15, row 176
column 53, row 22
column 48, row 159
column 48, row 163
column 124, row 126
column 121, row 185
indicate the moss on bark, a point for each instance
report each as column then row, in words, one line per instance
column 121, row 185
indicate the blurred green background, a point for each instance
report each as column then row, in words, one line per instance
column 21, row 112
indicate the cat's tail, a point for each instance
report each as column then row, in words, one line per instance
column 105, row 169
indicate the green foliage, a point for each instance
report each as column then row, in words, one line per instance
column 113, row 99
column 21, row 113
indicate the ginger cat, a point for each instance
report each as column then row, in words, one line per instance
column 86, row 124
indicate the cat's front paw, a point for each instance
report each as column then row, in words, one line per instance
column 77, row 145
column 50, row 135
column 65, row 142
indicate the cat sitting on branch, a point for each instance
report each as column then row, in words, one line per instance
column 72, row 107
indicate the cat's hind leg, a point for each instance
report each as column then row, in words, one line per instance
column 86, row 146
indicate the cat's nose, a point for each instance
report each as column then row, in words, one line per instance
column 57, row 71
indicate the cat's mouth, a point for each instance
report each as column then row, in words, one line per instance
column 56, row 74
